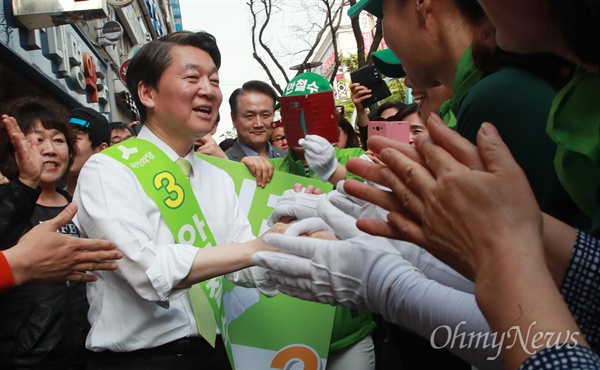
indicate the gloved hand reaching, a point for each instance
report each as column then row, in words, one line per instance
column 307, row 227
column 353, row 206
column 296, row 205
column 339, row 207
column 353, row 273
column 320, row 156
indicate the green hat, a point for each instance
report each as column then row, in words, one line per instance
column 307, row 83
column 308, row 107
column 372, row 6
column 388, row 64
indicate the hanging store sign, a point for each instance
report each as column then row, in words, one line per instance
column 112, row 30
column 123, row 70
column 176, row 14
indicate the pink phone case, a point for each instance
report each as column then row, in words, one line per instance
column 396, row 130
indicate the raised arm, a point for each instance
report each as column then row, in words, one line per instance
column 488, row 226
column 43, row 255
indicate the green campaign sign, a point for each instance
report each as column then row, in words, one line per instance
column 270, row 333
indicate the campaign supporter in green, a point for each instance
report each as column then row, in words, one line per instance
column 528, row 97
column 517, row 100
column 351, row 328
column 501, row 195
column 574, row 124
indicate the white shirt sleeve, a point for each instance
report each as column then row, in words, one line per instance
column 252, row 277
column 113, row 206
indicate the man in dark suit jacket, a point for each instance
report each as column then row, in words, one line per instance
column 252, row 111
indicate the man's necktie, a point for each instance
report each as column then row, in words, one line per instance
column 185, row 166
column 203, row 313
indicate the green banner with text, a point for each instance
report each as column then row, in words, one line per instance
column 271, row 333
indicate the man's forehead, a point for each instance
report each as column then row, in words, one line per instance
column 250, row 94
column 185, row 54
column 120, row 131
column 212, row 68
column 257, row 110
column 79, row 130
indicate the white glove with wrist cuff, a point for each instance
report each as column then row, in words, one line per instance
column 353, row 273
column 298, row 205
column 353, row 206
column 320, row 156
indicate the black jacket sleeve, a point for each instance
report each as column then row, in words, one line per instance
column 17, row 203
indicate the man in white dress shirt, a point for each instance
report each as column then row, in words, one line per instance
column 141, row 315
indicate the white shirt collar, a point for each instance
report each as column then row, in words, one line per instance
column 147, row 134
column 252, row 153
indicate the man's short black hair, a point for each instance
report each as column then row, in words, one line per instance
column 118, row 125
column 149, row 63
column 252, row 86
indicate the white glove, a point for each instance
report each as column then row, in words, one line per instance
column 307, row 227
column 295, row 204
column 320, row 156
column 344, row 227
column 338, row 209
column 353, row 206
column 345, row 272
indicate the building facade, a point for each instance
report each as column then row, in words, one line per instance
column 75, row 52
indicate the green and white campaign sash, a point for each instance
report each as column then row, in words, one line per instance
column 168, row 187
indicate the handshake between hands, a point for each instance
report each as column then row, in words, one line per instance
column 355, row 270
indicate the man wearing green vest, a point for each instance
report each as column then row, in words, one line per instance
column 167, row 211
